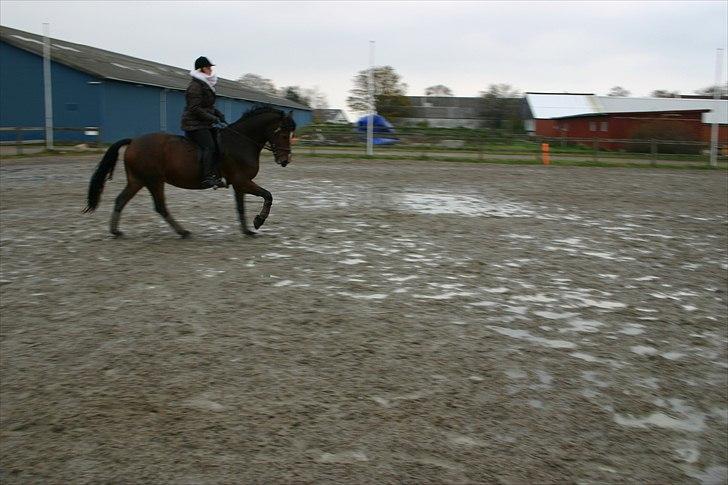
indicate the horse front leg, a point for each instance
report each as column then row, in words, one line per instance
column 267, row 203
column 240, row 202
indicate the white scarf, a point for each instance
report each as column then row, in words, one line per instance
column 209, row 80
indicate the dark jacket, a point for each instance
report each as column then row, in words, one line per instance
column 200, row 112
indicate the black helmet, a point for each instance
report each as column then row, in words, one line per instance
column 203, row 62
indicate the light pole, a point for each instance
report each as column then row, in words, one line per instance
column 370, row 118
column 47, row 87
column 716, row 97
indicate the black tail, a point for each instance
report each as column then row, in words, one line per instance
column 103, row 173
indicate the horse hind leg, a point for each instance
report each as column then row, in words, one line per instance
column 132, row 187
column 157, row 191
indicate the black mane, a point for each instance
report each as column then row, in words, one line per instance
column 258, row 110
column 287, row 124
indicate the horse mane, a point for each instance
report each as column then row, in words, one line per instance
column 288, row 123
column 259, row 110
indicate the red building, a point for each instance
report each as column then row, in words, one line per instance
column 586, row 116
column 676, row 125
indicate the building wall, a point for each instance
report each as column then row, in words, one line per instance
column 441, row 122
column 80, row 100
column 75, row 101
column 624, row 126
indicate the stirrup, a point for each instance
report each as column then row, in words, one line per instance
column 213, row 182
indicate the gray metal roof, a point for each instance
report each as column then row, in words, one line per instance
column 119, row 67
column 549, row 106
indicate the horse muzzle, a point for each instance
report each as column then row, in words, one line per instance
column 283, row 160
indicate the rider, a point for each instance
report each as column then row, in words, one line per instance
column 201, row 120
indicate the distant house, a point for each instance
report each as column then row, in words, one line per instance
column 590, row 116
column 330, row 116
column 443, row 112
column 120, row 95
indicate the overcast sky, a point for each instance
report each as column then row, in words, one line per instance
column 554, row 46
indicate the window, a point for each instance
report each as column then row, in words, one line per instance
column 605, row 125
column 592, row 126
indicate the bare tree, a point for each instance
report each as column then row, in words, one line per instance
column 258, row 82
column 438, row 90
column 710, row 90
column 664, row 93
column 618, row 91
column 502, row 106
column 316, row 99
column 389, row 92
column 295, row 94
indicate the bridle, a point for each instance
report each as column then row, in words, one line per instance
column 266, row 145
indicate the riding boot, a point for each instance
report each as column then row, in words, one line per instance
column 210, row 179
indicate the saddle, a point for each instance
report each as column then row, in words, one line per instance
column 207, row 163
column 198, row 148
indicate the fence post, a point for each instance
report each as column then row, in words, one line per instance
column 653, row 152
column 18, row 142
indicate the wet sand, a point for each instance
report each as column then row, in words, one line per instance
column 393, row 322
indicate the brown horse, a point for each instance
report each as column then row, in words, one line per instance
column 154, row 159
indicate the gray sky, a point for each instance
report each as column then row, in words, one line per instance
column 573, row 46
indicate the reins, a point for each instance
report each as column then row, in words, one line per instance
column 266, row 145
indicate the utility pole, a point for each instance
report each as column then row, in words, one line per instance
column 370, row 119
column 47, row 86
column 716, row 97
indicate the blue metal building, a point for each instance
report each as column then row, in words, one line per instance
column 122, row 95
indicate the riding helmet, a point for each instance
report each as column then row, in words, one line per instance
column 201, row 62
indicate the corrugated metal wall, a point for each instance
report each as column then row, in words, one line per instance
column 79, row 100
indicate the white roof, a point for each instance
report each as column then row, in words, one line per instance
column 546, row 106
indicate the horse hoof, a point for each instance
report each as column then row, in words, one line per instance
column 185, row 234
column 116, row 234
column 248, row 232
column 258, row 221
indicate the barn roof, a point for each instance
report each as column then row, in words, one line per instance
column 553, row 105
column 119, row 67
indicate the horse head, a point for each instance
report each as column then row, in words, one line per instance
column 271, row 129
column 280, row 140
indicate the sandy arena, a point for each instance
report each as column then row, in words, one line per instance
column 393, row 322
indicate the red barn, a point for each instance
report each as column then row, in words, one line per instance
column 604, row 117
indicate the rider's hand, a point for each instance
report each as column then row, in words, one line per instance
column 219, row 124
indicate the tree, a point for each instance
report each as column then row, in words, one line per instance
column 664, row 93
column 389, row 92
column 257, row 82
column 618, row 91
column 294, row 94
column 501, row 106
column 710, row 90
column 316, row 99
column 438, row 90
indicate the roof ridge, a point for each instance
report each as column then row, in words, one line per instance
column 111, row 65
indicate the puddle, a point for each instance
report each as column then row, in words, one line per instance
column 524, row 335
column 632, row 329
column 466, row 205
column 690, row 419
column 582, row 325
column 643, row 350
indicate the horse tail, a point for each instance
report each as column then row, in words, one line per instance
column 103, row 172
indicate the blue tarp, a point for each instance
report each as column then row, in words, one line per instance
column 381, row 126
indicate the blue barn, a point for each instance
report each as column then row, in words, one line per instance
column 122, row 95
